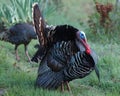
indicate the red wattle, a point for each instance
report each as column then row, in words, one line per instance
column 88, row 51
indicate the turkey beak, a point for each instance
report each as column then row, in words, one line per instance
column 85, row 44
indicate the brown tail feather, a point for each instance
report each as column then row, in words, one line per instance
column 39, row 24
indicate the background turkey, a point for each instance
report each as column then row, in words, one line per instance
column 20, row 33
column 67, row 54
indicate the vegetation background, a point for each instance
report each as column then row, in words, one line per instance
column 17, row 78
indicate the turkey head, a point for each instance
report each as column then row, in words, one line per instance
column 81, row 42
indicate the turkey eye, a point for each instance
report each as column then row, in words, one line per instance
column 82, row 36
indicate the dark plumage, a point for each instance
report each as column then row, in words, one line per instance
column 55, row 34
column 20, row 33
column 61, row 33
column 39, row 53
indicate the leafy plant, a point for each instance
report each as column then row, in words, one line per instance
column 21, row 11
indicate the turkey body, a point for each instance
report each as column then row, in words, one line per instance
column 64, row 63
column 21, row 33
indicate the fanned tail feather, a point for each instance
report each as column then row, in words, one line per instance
column 39, row 24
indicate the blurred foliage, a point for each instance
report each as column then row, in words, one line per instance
column 108, row 32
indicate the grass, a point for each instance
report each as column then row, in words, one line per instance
column 18, row 78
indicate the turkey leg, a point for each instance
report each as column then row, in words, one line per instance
column 16, row 53
column 26, row 53
column 68, row 87
column 62, row 87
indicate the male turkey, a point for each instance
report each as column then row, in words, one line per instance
column 20, row 33
column 67, row 55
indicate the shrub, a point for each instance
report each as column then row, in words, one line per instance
column 109, row 27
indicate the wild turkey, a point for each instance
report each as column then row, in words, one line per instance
column 20, row 33
column 67, row 55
